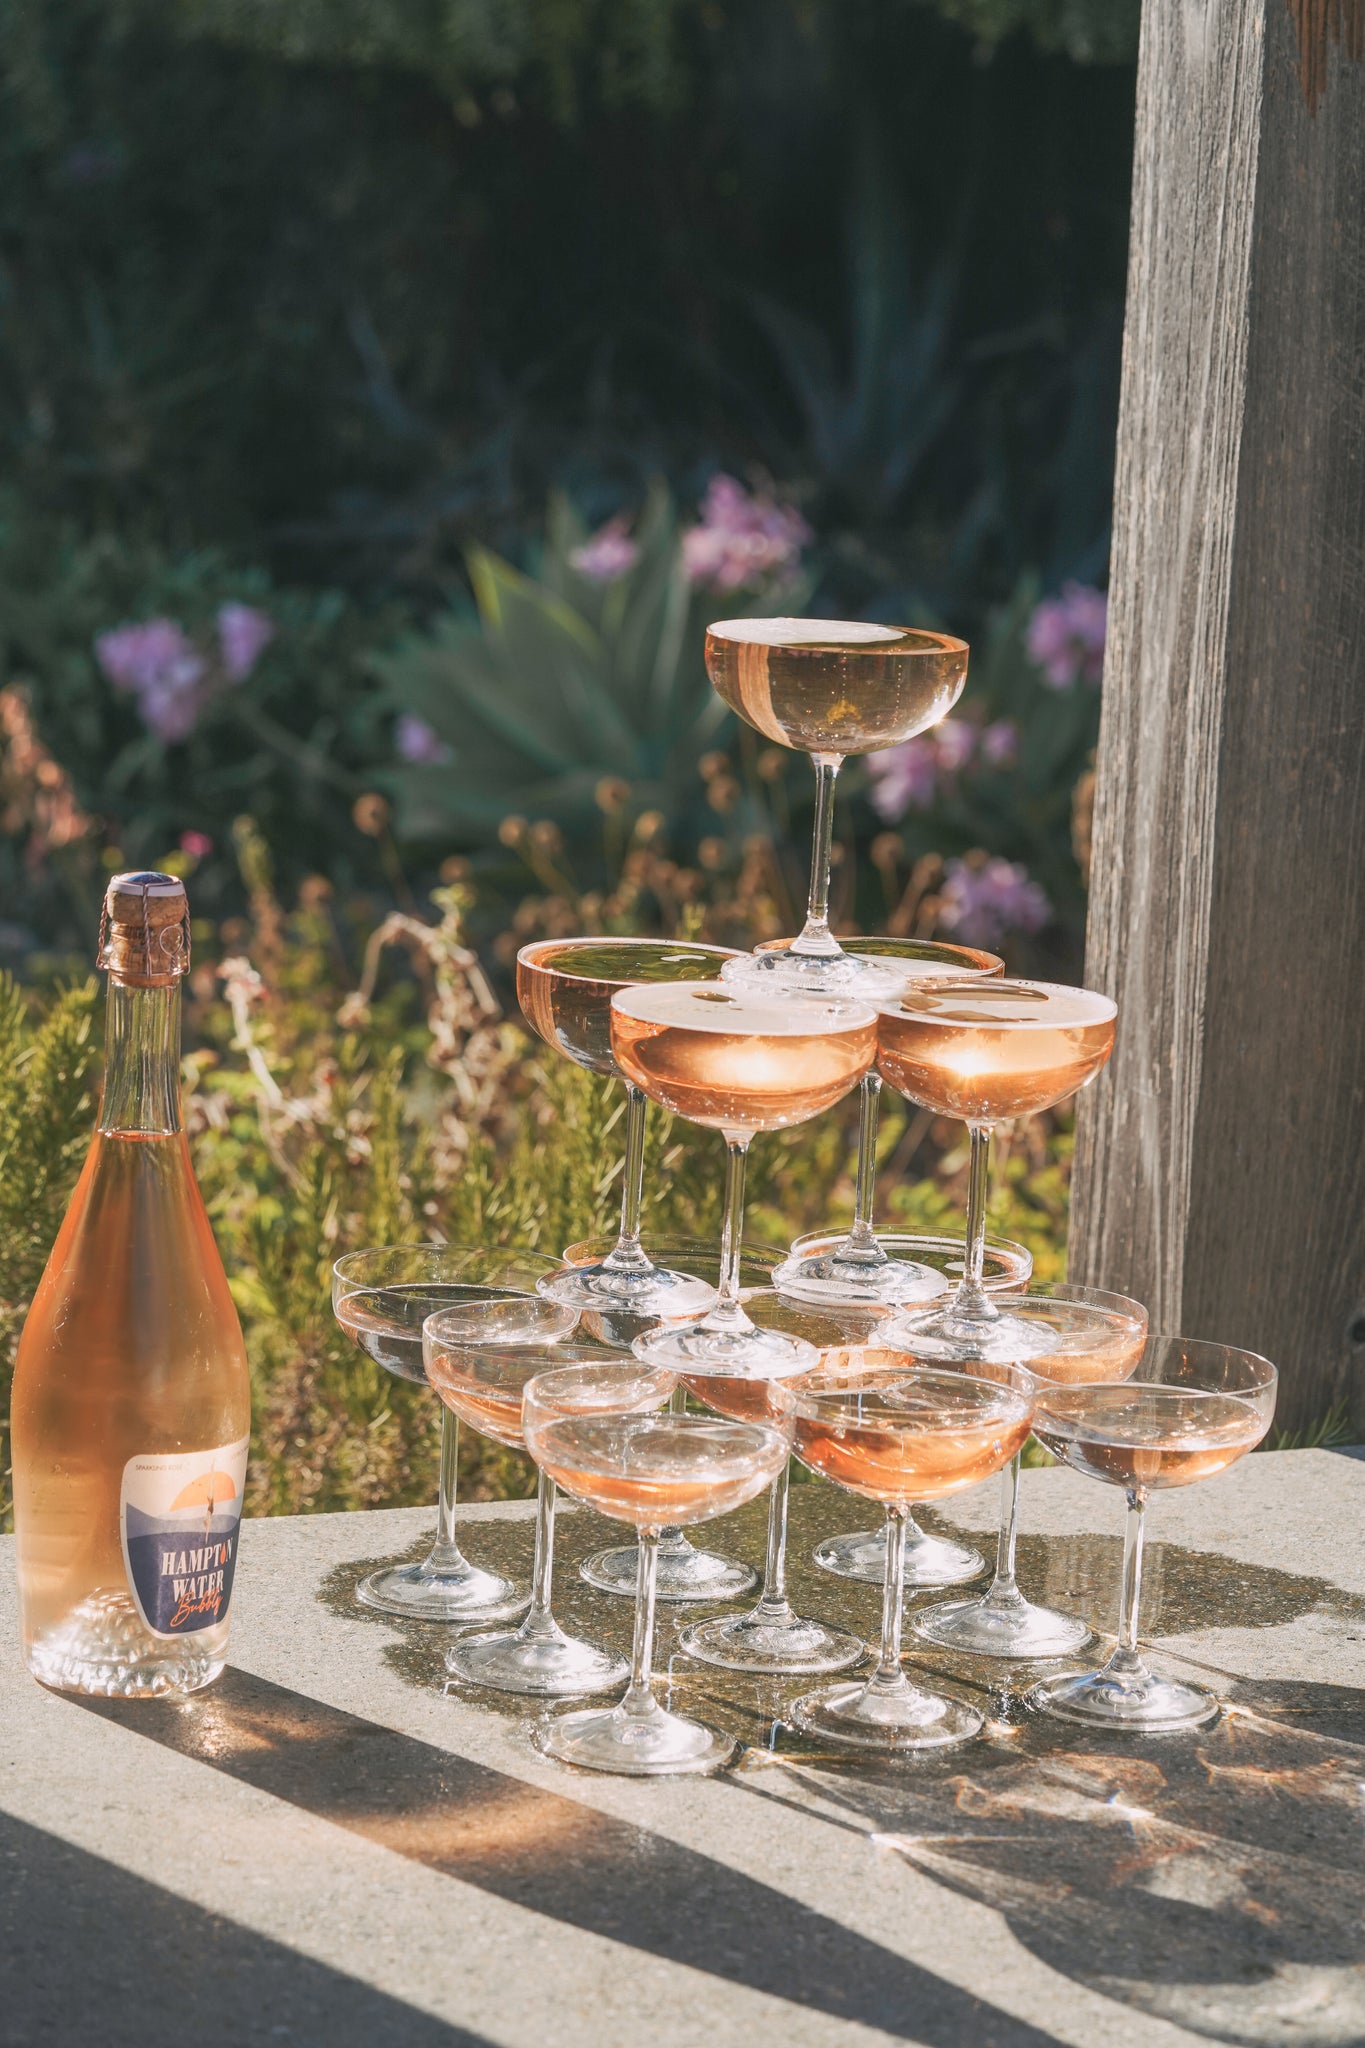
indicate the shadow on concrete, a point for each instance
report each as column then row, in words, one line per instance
column 1214, row 1880
column 561, row 1858
column 90, row 1954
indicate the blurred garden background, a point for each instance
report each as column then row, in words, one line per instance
column 390, row 391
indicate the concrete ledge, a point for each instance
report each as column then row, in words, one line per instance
column 328, row 1848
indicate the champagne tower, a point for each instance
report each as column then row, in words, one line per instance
column 131, row 1406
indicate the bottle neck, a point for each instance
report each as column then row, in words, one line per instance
column 141, row 1061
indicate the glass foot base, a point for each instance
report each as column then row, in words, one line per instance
column 654, row 1291
column 815, row 974
column 1141, row 1702
column 898, row 1720
column 1085, row 1341
column 1006, row 1268
column 1001, row 1628
column 741, row 1354
column 684, row 1573
column 771, row 1645
column 830, row 1270
column 542, row 1666
column 929, row 1560
column 421, row 1592
column 655, row 1745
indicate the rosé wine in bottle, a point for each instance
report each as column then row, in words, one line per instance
column 131, row 1407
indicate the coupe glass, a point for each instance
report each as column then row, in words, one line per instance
column 771, row 1638
column 929, row 1560
column 1001, row 1622
column 737, row 1063
column 830, row 688
column 382, row 1298
column 482, row 1380
column 565, row 987
column 856, row 1269
column 647, row 1470
column 1188, row 1411
column 685, row 1573
column 985, row 1051
column 893, row 1431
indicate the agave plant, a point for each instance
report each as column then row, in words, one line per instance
column 868, row 424
column 557, row 682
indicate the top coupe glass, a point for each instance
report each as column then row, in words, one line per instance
column 565, row 987
column 831, row 687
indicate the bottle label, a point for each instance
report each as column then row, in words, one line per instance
column 180, row 1514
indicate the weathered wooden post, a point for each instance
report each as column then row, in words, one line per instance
column 1221, row 1160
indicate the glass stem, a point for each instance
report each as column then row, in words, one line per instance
column 627, row 1255
column 1126, row 1661
column 1002, row 1590
column 773, row 1604
column 639, row 1702
column 971, row 1299
column 861, row 1241
column 540, row 1624
column 445, row 1554
column 673, row 1542
column 888, row 1676
column 816, row 936
column 728, row 1313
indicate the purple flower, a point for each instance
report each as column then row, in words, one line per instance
column 985, row 898
column 1065, row 636
column 904, row 778
column 742, row 539
column 158, row 665
column 955, row 740
column 243, row 635
column 1000, row 743
column 610, row 553
column 197, row 845
column 418, row 742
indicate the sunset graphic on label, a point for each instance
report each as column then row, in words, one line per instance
column 180, row 1514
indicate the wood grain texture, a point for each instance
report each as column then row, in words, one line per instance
column 1184, row 375
column 1220, row 1173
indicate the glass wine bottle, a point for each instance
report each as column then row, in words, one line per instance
column 131, row 1405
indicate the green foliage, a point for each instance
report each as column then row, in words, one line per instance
column 222, row 325
column 1328, row 1433
column 1090, row 31
column 288, row 744
column 630, row 49
column 46, row 1113
column 557, row 684
column 322, row 1119
column 872, row 405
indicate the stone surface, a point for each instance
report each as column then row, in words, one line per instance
column 328, row 1848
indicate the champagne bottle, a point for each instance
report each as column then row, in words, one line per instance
column 131, row 1407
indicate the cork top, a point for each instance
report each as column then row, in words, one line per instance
column 145, row 929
